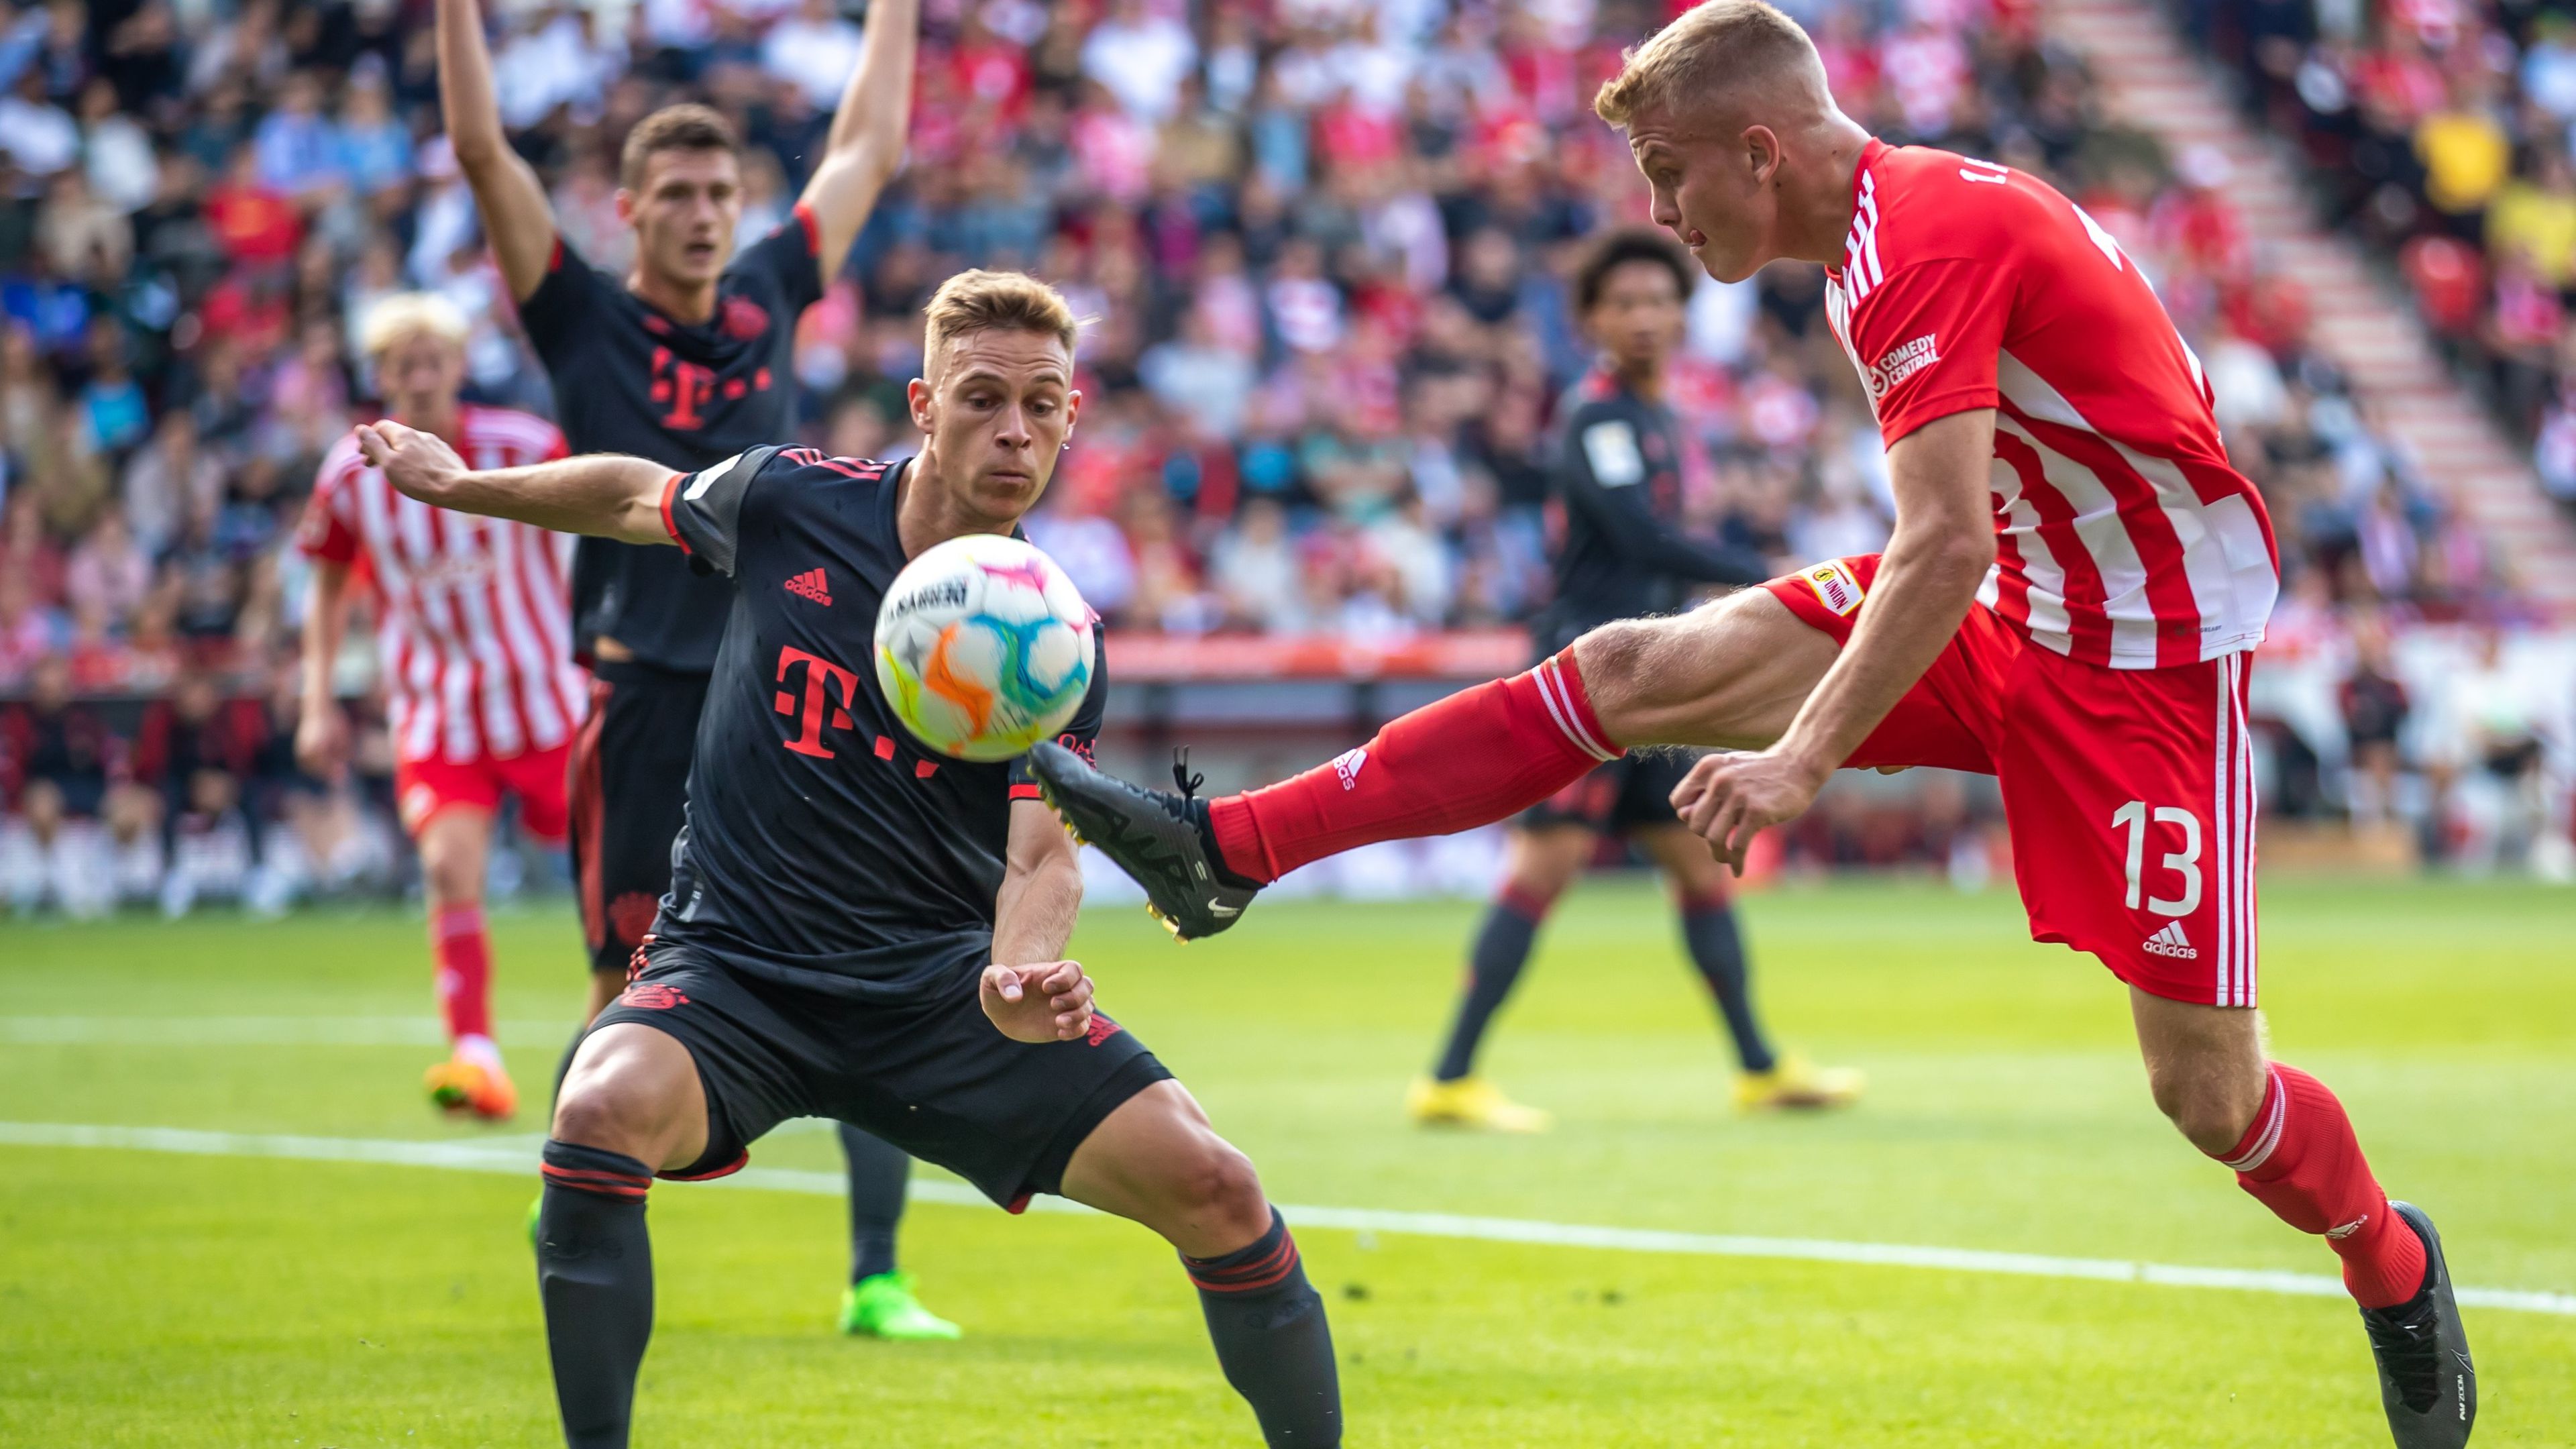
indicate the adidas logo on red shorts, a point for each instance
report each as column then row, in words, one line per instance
column 2170, row 942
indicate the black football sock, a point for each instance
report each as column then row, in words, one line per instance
column 595, row 1277
column 1718, row 951
column 1267, row 1323
column 1502, row 948
column 878, row 1173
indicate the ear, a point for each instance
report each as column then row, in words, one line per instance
column 917, row 393
column 1762, row 154
column 625, row 207
column 1072, row 411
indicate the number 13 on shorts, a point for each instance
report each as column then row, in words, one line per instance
column 2183, row 863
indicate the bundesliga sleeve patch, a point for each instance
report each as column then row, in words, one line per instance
column 1834, row 587
column 1611, row 449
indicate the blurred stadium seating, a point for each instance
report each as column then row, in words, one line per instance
column 1323, row 246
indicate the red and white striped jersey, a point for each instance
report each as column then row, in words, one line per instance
column 2127, row 540
column 474, row 631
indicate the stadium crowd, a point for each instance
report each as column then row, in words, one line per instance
column 2443, row 131
column 1323, row 244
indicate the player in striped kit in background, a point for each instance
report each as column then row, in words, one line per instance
column 473, row 634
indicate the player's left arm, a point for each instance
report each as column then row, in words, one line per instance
column 1029, row 992
column 1929, row 339
column 865, row 146
column 601, row 494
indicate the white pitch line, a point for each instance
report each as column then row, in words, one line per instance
column 235, row 1031
column 512, row 1155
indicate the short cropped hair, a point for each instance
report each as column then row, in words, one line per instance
column 411, row 314
column 1709, row 45
column 1617, row 249
column 979, row 301
column 685, row 127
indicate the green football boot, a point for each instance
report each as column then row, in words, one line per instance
column 882, row 1306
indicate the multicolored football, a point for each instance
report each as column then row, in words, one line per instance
column 983, row 647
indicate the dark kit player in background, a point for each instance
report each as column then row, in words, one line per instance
column 685, row 361
column 845, row 903
column 1617, row 471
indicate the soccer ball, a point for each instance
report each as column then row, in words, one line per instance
column 983, row 647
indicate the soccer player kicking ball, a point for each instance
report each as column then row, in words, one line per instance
column 2074, row 584
column 473, row 640
column 842, row 903
column 1618, row 473
column 687, row 359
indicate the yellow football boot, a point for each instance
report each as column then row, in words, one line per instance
column 1798, row 1084
column 1473, row 1103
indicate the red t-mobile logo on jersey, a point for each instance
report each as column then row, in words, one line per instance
column 814, row 709
column 821, row 676
column 684, row 386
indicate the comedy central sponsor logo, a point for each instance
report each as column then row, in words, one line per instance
column 1902, row 362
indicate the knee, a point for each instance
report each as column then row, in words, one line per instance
column 1613, row 661
column 2210, row 1109
column 1219, row 1185
column 609, row 1113
column 449, row 878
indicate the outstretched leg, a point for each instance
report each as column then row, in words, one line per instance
column 1156, row 1160
column 1732, row 674
column 631, row 1105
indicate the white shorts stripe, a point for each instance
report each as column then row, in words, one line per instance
column 2221, row 838
column 2247, row 810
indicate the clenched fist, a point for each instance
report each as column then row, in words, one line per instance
column 419, row 465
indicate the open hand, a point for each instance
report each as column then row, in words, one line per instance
column 1728, row 799
column 419, row 465
column 1050, row 1001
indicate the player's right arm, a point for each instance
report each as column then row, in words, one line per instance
column 1602, row 475
column 517, row 219
column 321, row 730
column 605, row 495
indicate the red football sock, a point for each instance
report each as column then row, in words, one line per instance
column 464, row 955
column 1475, row 757
column 2300, row 1159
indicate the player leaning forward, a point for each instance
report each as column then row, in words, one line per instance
column 2074, row 585
column 842, row 903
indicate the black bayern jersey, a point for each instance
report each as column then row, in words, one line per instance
column 629, row 379
column 1618, row 471
column 824, row 847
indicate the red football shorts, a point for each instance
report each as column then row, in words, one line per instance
column 423, row 788
column 2129, row 792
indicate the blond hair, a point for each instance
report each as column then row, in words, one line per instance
column 1709, row 47
column 411, row 314
column 979, row 301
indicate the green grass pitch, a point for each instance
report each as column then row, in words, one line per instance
column 166, row 1300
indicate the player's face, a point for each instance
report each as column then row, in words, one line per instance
column 996, row 413
column 1638, row 316
column 419, row 376
column 684, row 215
column 1714, row 193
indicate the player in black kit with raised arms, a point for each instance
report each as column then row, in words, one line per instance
column 843, row 902
column 1617, row 472
column 686, row 360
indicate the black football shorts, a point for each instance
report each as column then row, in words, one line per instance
column 628, row 798
column 934, row 1078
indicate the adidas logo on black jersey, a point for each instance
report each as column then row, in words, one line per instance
column 810, row 585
